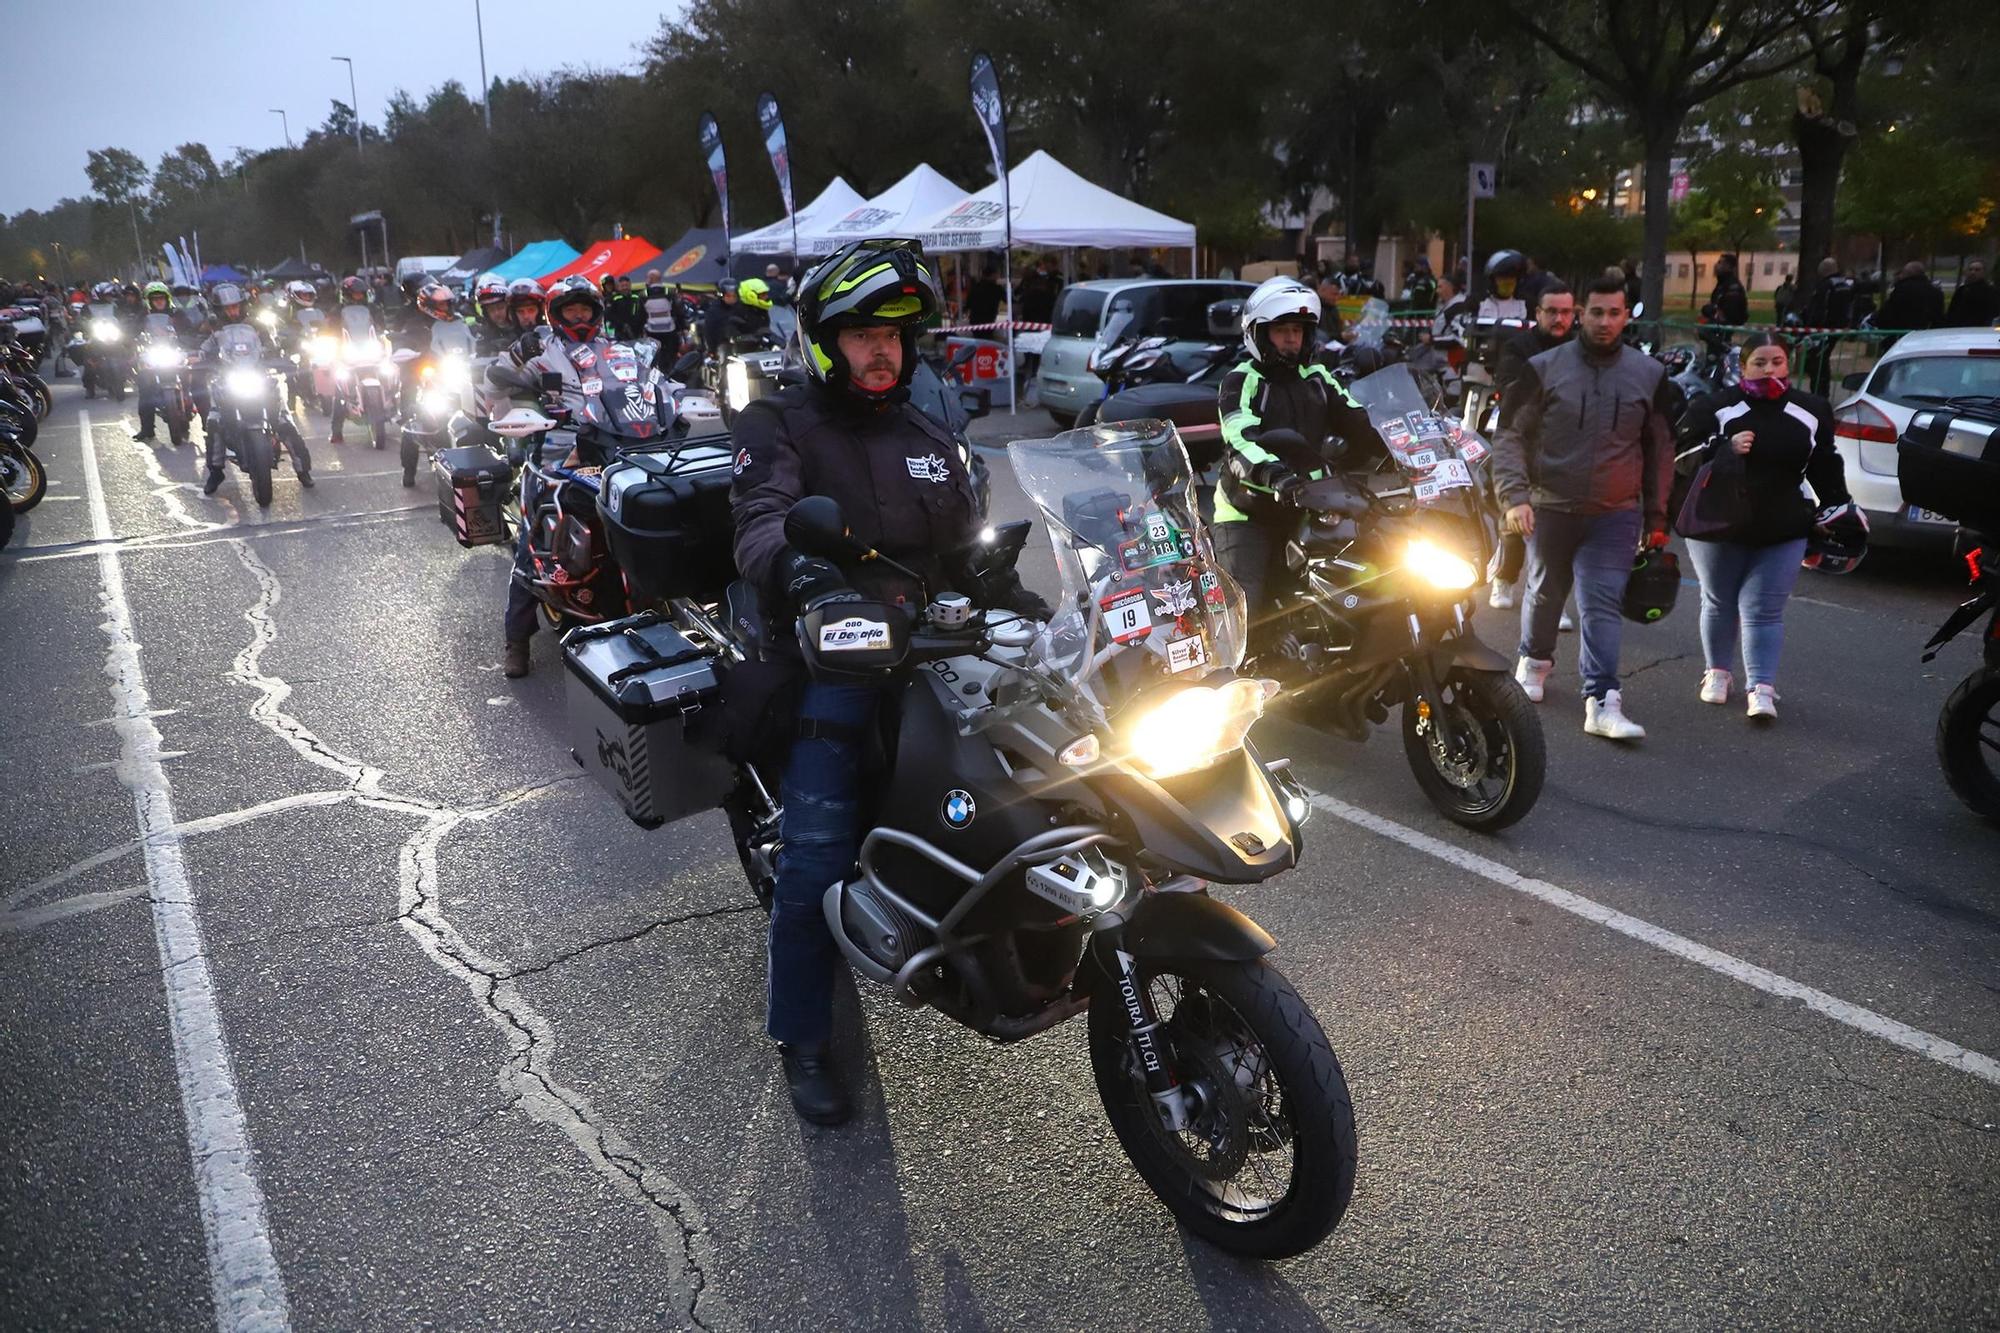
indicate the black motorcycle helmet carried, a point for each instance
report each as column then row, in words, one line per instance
column 1654, row 586
column 1838, row 541
column 873, row 282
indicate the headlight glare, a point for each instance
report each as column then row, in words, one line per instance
column 1191, row 728
column 1439, row 567
column 161, row 358
column 736, row 383
column 106, row 331
column 245, row 383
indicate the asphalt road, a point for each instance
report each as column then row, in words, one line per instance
column 334, row 998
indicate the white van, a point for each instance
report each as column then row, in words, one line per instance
column 1164, row 307
column 423, row 266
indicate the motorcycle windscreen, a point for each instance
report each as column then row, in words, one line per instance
column 356, row 322
column 311, row 317
column 451, row 337
column 239, row 342
column 103, row 310
column 1139, row 572
column 159, row 326
column 1438, row 456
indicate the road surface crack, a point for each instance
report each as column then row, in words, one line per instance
column 570, row 955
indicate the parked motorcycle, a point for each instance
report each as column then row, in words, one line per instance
column 1948, row 460
column 365, row 378
column 1051, row 805
column 443, row 387
column 1391, row 561
column 161, row 376
column 23, row 478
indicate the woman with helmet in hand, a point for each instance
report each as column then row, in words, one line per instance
column 1752, row 527
column 1284, row 386
column 848, row 432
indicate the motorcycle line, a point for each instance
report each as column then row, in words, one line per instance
column 1051, row 803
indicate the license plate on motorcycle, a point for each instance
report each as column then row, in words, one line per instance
column 1919, row 514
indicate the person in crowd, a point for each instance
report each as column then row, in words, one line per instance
column 627, row 312
column 779, row 281
column 1974, row 304
column 1533, row 278
column 232, row 306
column 721, row 317
column 1584, row 467
column 1914, row 302
column 1730, row 302
column 1420, row 286
column 1830, row 303
column 1867, row 294
column 1331, row 331
column 1777, row 437
column 1502, row 303
column 659, row 315
column 160, row 301
column 847, row 433
column 1782, row 297
column 354, row 292
column 1284, row 385
column 983, row 302
column 1035, row 299
column 491, row 330
column 527, row 305
column 1555, row 316
column 1630, row 268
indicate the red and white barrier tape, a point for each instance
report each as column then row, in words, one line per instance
column 1020, row 326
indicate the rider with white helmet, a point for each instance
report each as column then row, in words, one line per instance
column 1284, row 386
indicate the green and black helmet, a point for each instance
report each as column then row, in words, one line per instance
column 161, row 290
column 863, row 283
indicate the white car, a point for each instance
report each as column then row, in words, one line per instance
column 1921, row 371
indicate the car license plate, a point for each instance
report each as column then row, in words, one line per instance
column 1919, row 514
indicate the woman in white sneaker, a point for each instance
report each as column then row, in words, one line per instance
column 1779, row 437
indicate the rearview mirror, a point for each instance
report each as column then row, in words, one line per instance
column 976, row 402
column 816, row 526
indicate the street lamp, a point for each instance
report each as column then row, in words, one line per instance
column 485, row 88
column 286, row 121
column 354, row 100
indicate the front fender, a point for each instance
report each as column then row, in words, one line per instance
column 1174, row 927
column 1469, row 651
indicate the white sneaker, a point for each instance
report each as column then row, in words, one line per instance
column 1763, row 703
column 1606, row 717
column 1565, row 624
column 1533, row 673
column 1715, row 686
column 1502, row 596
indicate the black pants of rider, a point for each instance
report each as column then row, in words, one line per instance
column 1253, row 554
column 522, row 617
column 288, row 435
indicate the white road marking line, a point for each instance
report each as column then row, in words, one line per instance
column 1896, row 1033
column 29, row 918
column 248, row 1290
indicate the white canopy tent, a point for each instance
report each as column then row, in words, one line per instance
column 1054, row 208
column 897, row 211
column 836, row 201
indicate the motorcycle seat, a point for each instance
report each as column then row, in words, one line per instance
column 742, row 608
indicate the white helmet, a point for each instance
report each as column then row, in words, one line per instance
column 302, row 292
column 1275, row 300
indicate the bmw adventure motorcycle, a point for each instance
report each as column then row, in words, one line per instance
column 442, row 388
column 1050, row 806
column 249, row 419
column 1390, row 563
column 161, row 376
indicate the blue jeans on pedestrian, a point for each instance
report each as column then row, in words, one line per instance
column 1592, row 553
column 821, row 828
column 1746, row 587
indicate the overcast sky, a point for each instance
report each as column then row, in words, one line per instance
column 150, row 75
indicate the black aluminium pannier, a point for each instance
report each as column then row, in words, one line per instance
column 1950, row 464
column 644, row 705
column 471, row 484
column 667, row 521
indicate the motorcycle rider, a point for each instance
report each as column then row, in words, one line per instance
column 1283, row 386
column 849, row 432
column 492, row 331
column 354, row 292
column 726, row 318
column 1555, row 315
column 232, row 307
column 527, row 305
column 576, row 326
column 659, row 314
column 1420, row 287
column 160, row 301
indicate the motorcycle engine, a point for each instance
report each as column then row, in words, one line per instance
column 879, row 928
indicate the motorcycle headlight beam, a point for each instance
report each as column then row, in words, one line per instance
column 244, row 383
column 162, row 358
column 736, row 384
column 1439, row 567
column 106, row 331
column 1191, row 728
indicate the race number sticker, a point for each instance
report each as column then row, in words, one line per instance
column 1451, row 473
column 1186, row 654
column 1469, row 444
column 1423, row 458
column 592, row 386
column 1211, row 590
column 854, row 634
column 1127, row 615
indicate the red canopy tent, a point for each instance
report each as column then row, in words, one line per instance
column 606, row 259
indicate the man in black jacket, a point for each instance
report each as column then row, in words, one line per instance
column 1731, row 302
column 1974, row 305
column 850, row 433
column 1914, row 302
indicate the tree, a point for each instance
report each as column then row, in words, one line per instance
column 185, row 174
column 118, row 176
column 1657, row 60
column 1914, row 190
column 1737, row 190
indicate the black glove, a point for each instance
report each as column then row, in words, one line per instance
column 1275, row 477
column 806, row 581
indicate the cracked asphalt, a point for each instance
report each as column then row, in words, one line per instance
column 498, row 1052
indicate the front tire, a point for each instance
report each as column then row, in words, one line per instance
column 1968, row 742
column 381, row 433
column 1500, row 777
column 409, row 448
column 1265, row 1166
column 257, row 457
column 22, row 477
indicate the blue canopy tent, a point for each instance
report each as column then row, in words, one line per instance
column 221, row 273
column 535, row 260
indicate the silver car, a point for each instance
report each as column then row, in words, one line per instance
column 1126, row 307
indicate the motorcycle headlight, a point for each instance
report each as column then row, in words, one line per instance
column 454, row 374
column 322, row 348
column 244, row 383
column 1191, row 728
column 359, row 351
column 386, row 370
column 106, row 331
column 431, row 400
column 268, row 318
column 1439, row 567
column 163, row 358
column 736, row 384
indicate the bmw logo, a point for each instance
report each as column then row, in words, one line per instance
column 958, row 809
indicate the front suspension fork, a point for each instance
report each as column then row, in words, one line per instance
column 1147, row 1035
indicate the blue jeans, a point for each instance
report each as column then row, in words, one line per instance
column 1746, row 586
column 821, row 828
column 1592, row 553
